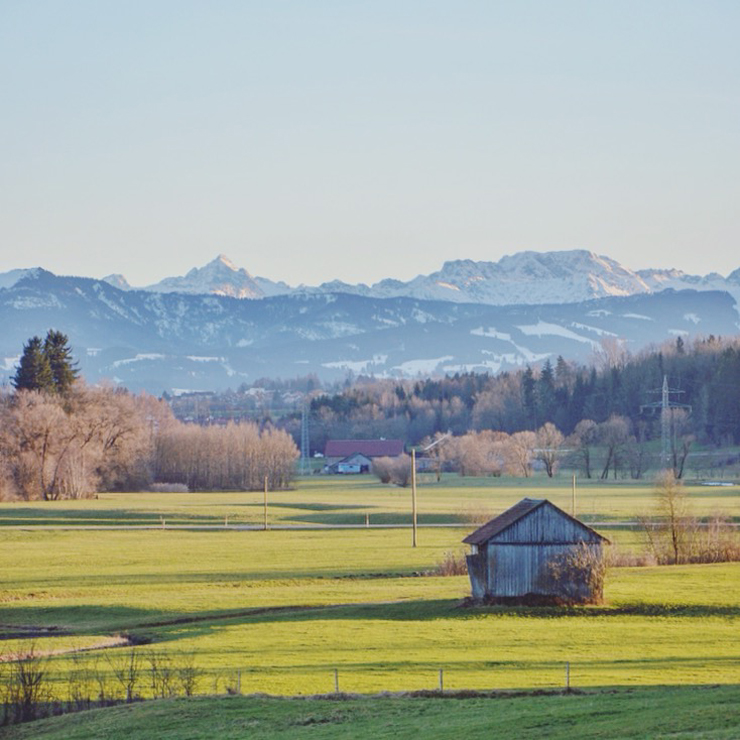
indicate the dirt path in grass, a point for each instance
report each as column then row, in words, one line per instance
column 110, row 641
column 130, row 637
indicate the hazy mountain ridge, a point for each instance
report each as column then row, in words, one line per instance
column 165, row 341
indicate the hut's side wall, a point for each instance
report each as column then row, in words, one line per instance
column 547, row 525
column 477, row 573
column 517, row 570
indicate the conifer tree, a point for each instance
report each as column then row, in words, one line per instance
column 34, row 371
column 46, row 366
column 63, row 368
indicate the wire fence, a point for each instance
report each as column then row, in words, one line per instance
column 32, row 688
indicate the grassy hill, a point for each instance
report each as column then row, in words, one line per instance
column 707, row 712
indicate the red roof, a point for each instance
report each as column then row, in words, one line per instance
column 368, row 447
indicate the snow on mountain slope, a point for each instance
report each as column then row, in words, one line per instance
column 10, row 278
column 679, row 280
column 524, row 278
column 535, row 278
column 160, row 341
column 117, row 281
column 219, row 277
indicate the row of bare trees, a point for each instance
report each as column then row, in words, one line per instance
column 596, row 450
column 237, row 456
column 68, row 446
column 29, row 691
column 482, row 453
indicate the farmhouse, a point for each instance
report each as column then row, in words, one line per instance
column 536, row 552
column 356, row 455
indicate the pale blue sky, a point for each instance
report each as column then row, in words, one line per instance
column 358, row 140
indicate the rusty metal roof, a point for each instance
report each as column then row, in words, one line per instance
column 503, row 521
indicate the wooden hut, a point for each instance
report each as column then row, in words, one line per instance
column 535, row 552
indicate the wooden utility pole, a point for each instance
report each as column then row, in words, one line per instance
column 413, row 482
column 573, row 497
column 265, row 520
column 413, row 497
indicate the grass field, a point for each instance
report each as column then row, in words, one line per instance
column 686, row 713
column 346, row 500
column 279, row 611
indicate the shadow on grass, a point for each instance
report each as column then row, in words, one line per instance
column 385, row 517
column 229, row 579
column 196, row 625
column 313, row 506
column 69, row 620
column 59, row 516
column 150, row 625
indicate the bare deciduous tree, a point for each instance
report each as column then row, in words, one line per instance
column 671, row 537
column 237, row 456
column 583, row 440
column 680, row 439
column 614, row 434
column 519, row 450
column 549, row 441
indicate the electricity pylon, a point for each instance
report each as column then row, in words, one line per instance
column 665, row 405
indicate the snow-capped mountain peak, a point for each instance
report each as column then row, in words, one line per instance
column 220, row 276
column 10, row 278
column 522, row 278
column 529, row 277
column 117, row 281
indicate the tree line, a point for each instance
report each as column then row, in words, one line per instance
column 61, row 439
column 615, row 385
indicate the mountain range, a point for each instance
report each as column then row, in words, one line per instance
column 207, row 331
column 523, row 278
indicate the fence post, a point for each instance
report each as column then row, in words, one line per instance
column 239, row 682
column 567, row 676
column 441, row 679
column 336, row 681
column 367, row 520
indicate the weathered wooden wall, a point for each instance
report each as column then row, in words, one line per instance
column 515, row 561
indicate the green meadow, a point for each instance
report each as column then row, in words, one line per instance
column 678, row 713
column 290, row 611
column 347, row 500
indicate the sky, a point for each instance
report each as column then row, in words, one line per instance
column 321, row 140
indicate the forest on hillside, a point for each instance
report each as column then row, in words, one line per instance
column 703, row 377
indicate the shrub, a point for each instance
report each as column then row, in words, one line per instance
column 452, row 564
column 25, row 687
column 577, row 575
column 396, row 470
column 617, row 558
